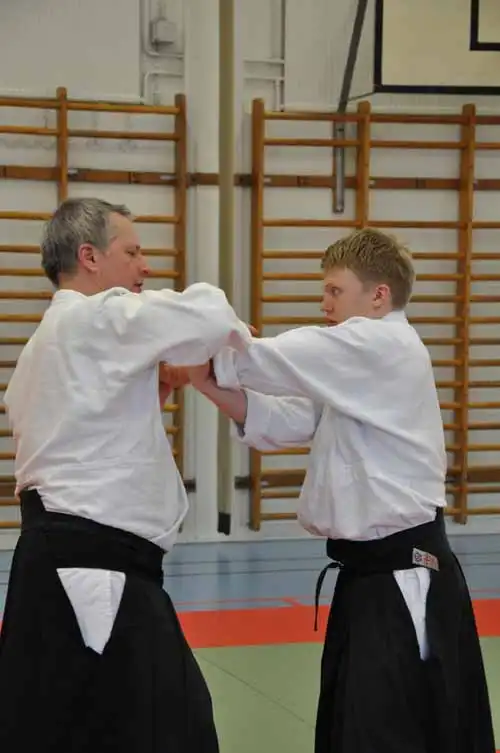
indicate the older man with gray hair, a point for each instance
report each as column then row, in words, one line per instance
column 92, row 656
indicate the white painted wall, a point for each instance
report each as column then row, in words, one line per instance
column 304, row 68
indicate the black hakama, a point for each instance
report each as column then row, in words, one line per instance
column 144, row 694
column 376, row 694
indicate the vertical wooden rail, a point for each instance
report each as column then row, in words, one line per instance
column 363, row 165
column 464, row 269
column 180, row 211
column 257, row 250
column 62, row 144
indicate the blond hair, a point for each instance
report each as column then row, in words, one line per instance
column 374, row 257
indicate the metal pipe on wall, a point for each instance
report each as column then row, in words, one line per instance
column 339, row 128
column 226, row 230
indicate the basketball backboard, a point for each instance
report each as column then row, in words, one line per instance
column 437, row 46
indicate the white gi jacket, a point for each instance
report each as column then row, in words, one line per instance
column 84, row 408
column 363, row 394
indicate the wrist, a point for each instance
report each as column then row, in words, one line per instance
column 207, row 386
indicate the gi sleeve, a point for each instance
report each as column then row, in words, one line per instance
column 278, row 422
column 182, row 328
column 338, row 366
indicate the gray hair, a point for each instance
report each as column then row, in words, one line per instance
column 75, row 222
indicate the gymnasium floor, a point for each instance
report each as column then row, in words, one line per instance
column 247, row 610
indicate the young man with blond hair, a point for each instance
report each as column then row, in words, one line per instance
column 402, row 670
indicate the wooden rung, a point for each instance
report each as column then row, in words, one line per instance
column 163, row 252
column 26, row 295
column 474, row 511
column 434, row 256
column 9, row 525
column 302, row 255
column 476, row 489
column 32, row 104
column 300, row 276
column 333, row 117
column 32, row 216
column 291, row 299
column 269, row 516
column 28, row 130
column 483, row 448
column 288, row 451
column 303, row 276
column 7, row 364
column 167, row 274
column 131, row 109
column 484, row 427
column 484, row 406
column 429, row 341
column 50, row 103
column 485, row 278
column 293, row 320
column 281, row 494
column 487, row 146
column 294, row 222
column 130, row 135
column 95, row 175
column 331, row 143
column 423, row 225
column 6, row 341
column 299, row 255
column 487, row 120
column 284, row 477
column 444, row 145
column 484, row 362
column 414, row 119
column 12, row 249
column 436, row 299
column 157, row 219
column 44, row 216
column 20, row 318
column 495, row 384
column 490, row 225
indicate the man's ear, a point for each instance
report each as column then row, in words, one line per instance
column 87, row 257
column 381, row 295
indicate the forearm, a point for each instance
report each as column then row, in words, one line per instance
column 233, row 403
column 264, row 422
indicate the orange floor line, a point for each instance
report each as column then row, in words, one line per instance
column 294, row 624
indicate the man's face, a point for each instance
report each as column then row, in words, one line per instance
column 345, row 296
column 122, row 264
